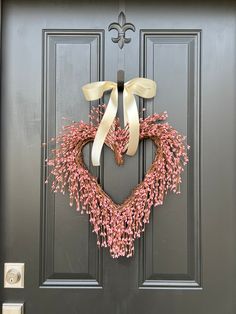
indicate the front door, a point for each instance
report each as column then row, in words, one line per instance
column 186, row 260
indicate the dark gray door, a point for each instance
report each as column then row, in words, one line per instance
column 186, row 260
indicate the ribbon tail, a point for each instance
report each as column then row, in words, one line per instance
column 131, row 116
column 104, row 127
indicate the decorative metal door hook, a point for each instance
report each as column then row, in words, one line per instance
column 121, row 28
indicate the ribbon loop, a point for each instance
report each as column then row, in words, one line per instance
column 138, row 86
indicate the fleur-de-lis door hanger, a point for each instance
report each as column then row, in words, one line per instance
column 121, row 28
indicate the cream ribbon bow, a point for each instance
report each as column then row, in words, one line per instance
column 138, row 86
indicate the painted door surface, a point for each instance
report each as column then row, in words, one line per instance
column 186, row 260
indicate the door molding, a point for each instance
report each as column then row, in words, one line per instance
column 190, row 40
column 58, row 45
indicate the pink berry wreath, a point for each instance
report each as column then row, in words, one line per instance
column 118, row 225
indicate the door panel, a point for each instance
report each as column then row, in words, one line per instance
column 186, row 259
column 172, row 59
column 71, row 58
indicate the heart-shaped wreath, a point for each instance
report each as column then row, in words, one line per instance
column 117, row 226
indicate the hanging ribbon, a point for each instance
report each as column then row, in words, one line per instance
column 138, row 86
